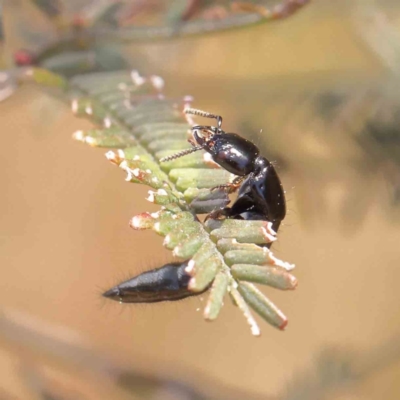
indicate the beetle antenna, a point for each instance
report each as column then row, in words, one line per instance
column 206, row 114
column 181, row 154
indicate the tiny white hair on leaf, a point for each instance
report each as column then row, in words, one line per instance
column 190, row 267
column 79, row 136
column 137, row 79
column 107, row 122
column 157, row 82
column 150, row 197
column 136, row 172
column 74, row 106
column 162, row 192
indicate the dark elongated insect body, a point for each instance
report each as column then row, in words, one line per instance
column 232, row 152
column 167, row 283
column 260, row 197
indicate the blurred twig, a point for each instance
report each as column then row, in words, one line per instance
column 62, row 349
column 39, row 344
column 340, row 368
column 107, row 21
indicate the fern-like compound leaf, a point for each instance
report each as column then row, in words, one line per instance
column 134, row 118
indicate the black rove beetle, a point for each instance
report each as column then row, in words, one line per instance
column 260, row 197
column 260, row 189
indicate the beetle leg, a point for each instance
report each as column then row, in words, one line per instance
column 232, row 186
column 221, row 213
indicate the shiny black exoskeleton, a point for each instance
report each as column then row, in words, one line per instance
column 260, row 189
column 167, row 283
column 261, row 193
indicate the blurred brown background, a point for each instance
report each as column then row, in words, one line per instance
column 314, row 84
